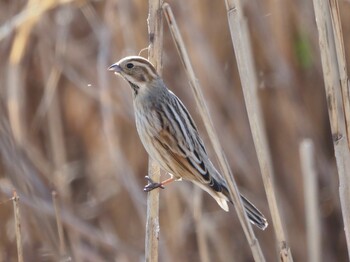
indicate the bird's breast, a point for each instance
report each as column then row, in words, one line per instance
column 147, row 126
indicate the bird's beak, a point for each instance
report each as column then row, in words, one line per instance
column 116, row 68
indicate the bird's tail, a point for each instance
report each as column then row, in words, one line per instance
column 254, row 215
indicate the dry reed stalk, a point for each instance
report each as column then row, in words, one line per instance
column 56, row 204
column 15, row 200
column 204, row 112
column 15, row 90
column 306, row 151
column 333, row 82
column 56, row 138
column 155, row 31
column 15, row 86
column 242, row 47
column 340, row 53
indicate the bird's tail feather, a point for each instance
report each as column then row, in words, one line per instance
column 254, row 215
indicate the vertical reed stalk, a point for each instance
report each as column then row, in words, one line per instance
column 243, row 51
column 307, row 160
column 155, row 31
column 340, row 53
column 333, row 81
column 15, row 200
column 56, row 204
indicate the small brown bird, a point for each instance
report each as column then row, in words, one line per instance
column 170, row 136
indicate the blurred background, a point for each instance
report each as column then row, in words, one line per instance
column 67, row 125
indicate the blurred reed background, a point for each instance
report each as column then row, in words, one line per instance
column 66, row 124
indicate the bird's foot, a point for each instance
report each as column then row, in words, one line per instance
column 152, row 185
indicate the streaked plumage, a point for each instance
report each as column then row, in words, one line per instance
column 170, row 135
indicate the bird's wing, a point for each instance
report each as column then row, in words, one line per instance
column 179, row 136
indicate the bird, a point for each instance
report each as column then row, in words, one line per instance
column 170, row 136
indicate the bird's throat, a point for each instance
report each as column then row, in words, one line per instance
column 134, row 87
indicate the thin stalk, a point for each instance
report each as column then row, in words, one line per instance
column 243, row 51
column 56, row 204
column 332, row 79
column 307, row 160
column 155, row 31
column 15, row 200
column 340, row 53
column 204, row 112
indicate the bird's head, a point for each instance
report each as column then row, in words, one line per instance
column 137, row 71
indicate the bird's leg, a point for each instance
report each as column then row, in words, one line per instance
column 153, row 185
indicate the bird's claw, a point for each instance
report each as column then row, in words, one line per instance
column 152, row 185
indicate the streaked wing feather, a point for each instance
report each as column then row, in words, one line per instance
column 181, row 139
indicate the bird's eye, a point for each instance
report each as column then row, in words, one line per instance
column 129, row 65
